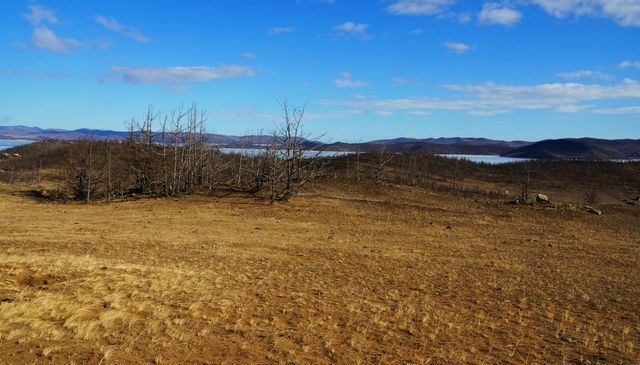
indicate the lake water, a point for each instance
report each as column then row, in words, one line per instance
column 490, row 159
column 5, row 143
column 257, row 152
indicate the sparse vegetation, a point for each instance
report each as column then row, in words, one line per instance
column 351, row 273
column 388, row 257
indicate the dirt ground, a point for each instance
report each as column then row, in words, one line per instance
column 347, row 274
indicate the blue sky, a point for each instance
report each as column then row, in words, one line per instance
column 512, row 69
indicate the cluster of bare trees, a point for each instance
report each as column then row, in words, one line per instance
column 170, row 154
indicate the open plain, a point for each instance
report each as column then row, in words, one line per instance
column 349, row 273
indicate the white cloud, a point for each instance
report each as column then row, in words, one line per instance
column 249, row 55
column 623, row 12
column 419, row 7
column 125, row 30
column 281, row 30
column 152, row 75
column 417, row 31
column 490, row 98
column 352, row 29
column 346, row 81
column 417, row 113
column 572, row 108
column 494, row 13
column 401, row 81
column 39, row 15
column 486, row 113
column 457, row 47
column 546, row 95
column 584, row 74
column 623, row 110
column 45, row 38
column 630, row 64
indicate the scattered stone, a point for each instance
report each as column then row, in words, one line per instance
column 593, row 210
column 513, row 202
column 541, row 198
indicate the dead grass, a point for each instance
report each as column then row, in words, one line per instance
column 351, row 274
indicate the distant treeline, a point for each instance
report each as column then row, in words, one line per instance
column 168, row 155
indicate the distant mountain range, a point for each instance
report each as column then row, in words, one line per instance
column 579, row 148
column 568, row 148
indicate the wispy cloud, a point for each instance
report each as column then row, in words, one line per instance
column 44, row 37
column 346, row 81
column 630, row 64
column 249, row 55
column 151, row 75
column 401, row 81
column 494, row 13
column 125, row 30
column 491, row 99
column 351, row 29
column 419, row 7
column 281, row 30
column 39, row 15
column 584, row 74
column 457, row 47
column 623, row 12
column 623, row 110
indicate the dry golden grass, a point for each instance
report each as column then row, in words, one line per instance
column 351, row 274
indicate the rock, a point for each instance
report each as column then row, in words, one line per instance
column 593, row 210
column 541, row 198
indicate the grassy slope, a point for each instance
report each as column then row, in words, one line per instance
column 351, row 274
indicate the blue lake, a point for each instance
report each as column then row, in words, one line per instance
column 8, row 143
column 490, row 159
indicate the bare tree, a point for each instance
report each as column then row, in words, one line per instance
column 297, row 155
column 525, row 181
column 383, row 158
column 84, row 169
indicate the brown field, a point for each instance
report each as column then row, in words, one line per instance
column 350, row 273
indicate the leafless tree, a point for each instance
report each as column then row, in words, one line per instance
column 383, row 158
column 84, row 169
column 294, row 155
column 525, row 180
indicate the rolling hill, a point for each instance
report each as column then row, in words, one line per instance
column 569, row 148
column 579, row 148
